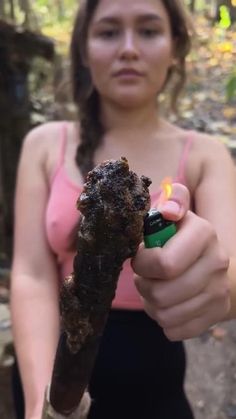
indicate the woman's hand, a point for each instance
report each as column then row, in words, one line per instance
column 184, row 285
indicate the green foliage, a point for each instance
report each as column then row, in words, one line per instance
column 199, row 4
column 51, row 12
column 55, row 19
column 225, row 19
column 51, row 17
column 231, row 87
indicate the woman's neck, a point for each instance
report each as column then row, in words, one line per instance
column 117, row 119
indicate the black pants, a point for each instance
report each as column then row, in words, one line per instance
column 138, row 374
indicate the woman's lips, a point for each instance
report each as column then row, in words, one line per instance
column 128, row 73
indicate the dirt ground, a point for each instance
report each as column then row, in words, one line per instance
column 210, row 380
column 211, row 373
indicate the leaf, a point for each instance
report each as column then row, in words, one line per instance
column 229, row 112
column 219, row 333
column 225, row 19
column 226, row 47
column 231, row 88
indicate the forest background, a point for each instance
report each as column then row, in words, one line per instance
column 208, row 104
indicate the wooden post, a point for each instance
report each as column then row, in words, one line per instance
column 2, row 213
column 14, row 124
column 192, row 6
column 17, row 47
column 2, row 9
column 12, row 10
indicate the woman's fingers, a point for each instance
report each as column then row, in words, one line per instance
column 187, row 305
column 177, row 205
column 178, row 254
column 196, row 326
column 184, row 285
column 165, row 293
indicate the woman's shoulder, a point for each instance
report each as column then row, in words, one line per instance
column 207, row 140
column 45, row 134
column 200, row 140
column 201, row 144
column 204, row 150
column 45, row 139
column 43, row 143
column 207, row 147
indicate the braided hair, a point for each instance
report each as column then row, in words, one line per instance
column 85, row 94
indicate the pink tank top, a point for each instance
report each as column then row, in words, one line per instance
column 62, row 215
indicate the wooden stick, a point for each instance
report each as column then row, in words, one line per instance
column 80, row 413
column 114, row 203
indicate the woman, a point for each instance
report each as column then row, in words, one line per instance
column 123, row 56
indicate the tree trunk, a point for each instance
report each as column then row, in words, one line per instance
column 12, row 10
column 16, row 52
column 25, row 7
column 2, row 9
column 60, row 8
column 192, row 5
column 2, row 212
column 14, row 123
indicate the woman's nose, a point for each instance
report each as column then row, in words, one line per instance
column 129, row 48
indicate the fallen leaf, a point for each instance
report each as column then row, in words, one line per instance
column 229, row 112
column 218, row 333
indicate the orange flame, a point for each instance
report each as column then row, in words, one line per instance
column 166, row 188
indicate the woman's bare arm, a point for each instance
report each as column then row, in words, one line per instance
column 34, row 282
column 215, row 201
column 190, row 284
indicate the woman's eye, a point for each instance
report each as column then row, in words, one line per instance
column 108, row 34
column 149, row 33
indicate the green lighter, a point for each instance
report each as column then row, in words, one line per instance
column 157, row 230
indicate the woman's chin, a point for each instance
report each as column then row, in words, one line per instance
column 130, row 100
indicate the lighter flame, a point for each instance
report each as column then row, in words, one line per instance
column 166, row 188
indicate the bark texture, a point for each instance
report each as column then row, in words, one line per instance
column 113, row 203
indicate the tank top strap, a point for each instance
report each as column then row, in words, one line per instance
column 181, row 173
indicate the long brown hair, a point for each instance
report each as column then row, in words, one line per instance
column 86, row 97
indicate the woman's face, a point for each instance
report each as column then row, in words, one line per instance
column 129, row 50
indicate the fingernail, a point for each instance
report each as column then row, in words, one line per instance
column 170, row 207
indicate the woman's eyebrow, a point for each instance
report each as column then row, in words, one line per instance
column 139, row 18
column 110, row 19
column 149, row 16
